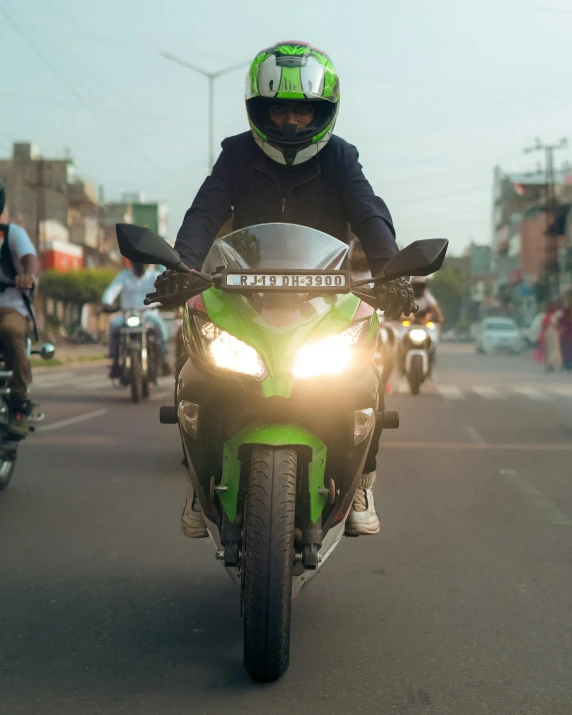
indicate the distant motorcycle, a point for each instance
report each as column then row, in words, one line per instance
column 417, row 347
column 139, row 354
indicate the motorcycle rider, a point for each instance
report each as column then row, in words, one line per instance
column 18, row 264
column 429, row 307
column 131, row 286
column 290, row 168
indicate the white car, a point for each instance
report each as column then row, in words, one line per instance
column 499, row 334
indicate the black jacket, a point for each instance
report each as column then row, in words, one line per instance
column 328, row 192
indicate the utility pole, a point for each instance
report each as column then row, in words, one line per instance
column 552, row 265
column 211, row 76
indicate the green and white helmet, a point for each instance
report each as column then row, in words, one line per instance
column 292, row 71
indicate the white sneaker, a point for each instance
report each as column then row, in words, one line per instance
column 363, row 519
column 193, row 522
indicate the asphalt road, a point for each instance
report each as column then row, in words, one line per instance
column 462, row 605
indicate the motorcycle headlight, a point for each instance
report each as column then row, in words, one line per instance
column 418, row 335
column 230, row 353
column 133, row 321
column 330, row 356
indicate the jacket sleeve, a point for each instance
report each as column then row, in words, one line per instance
column 210, row 209
column 367, row 214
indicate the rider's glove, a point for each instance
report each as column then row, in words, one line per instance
column 396, row 298
column 169, row 283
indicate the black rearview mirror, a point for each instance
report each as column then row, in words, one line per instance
column 420, row 258
column 140, row 245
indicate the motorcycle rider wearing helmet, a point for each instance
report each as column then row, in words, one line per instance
column 291, row 168
column 18, row 265
column 131, row 286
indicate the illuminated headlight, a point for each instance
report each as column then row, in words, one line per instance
column 230, row 353
column 133, row 321
column 330, row 356
column 418, row 335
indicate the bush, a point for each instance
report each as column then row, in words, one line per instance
column 77, row 287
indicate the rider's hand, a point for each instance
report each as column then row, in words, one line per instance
column 25, row 281
column 397, row 298
column 169, row 283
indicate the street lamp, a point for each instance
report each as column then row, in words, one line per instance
column 211, row 76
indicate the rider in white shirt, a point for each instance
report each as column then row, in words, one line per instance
column 131, row 286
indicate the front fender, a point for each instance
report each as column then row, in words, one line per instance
column 273, row 435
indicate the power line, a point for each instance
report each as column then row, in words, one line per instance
column 71, row 88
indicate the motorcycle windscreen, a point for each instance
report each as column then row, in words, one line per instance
column 280, row 246
column 277, row 245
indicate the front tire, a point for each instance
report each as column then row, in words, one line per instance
column 269, row 556
column 415, row 375
column 6, row 470
column 136, row 377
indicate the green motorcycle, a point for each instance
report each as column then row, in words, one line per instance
column 277, row 404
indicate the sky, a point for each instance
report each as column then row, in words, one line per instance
column 434, row 94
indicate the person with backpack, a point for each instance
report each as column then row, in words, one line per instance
column 19, row 268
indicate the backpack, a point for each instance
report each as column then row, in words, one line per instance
column 10, row 271
column 6, row 260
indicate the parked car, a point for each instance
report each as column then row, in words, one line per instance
column 531, row 333
column 499, row 334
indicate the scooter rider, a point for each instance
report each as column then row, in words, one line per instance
column 290, row 168
column 131, row 286
column 429, row 307
column 18, row 264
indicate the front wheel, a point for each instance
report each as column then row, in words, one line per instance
column 7, row 464
column 269, row 556
column 136, row 377
column 415, row 376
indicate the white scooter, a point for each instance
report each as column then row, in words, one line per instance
column 417, row 347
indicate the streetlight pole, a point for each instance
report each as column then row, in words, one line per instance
column 211, row 76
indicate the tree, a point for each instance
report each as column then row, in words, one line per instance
column 451, row 288
column 75, row 288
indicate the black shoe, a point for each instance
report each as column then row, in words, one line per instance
column 18, row 423
column 114, row 371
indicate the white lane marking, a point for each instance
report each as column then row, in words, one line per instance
column 488, row 393
column 450, row 392
column 531, row 393
column 561, row 390
column 47, row 380
column 552, row 513
column 474, row 434
column 71, row 421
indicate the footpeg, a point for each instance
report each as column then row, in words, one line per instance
column 389, row 419
column 168, row 415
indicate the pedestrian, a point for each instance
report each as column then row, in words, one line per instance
column 540, row 351
column 552, row 349
column 565, row 327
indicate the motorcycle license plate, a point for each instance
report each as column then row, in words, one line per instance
column 335, row 281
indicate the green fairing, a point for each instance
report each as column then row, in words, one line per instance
column 277, row 346
column 274, row 435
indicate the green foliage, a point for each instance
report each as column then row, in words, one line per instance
column 451, row 288
column 77, row 287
